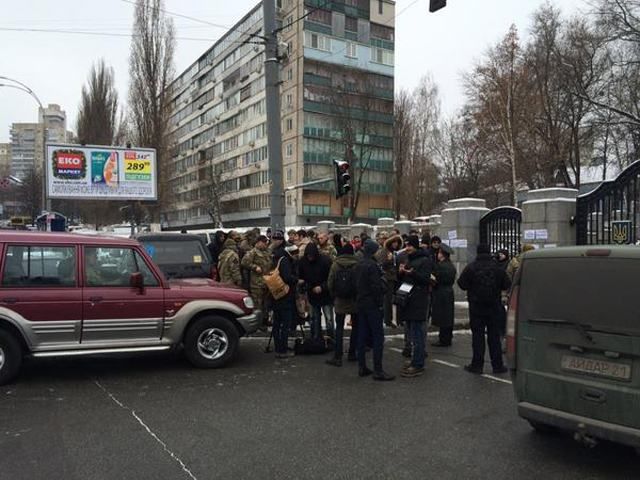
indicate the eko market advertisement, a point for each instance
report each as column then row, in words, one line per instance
column 97, row 172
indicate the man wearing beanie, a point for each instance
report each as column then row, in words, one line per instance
column 414, row 279
column 484, row 280
column 370, row 293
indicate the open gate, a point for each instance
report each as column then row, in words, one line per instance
column 609, row 214
column 500, row 229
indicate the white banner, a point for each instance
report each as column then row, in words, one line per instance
column 101, row 173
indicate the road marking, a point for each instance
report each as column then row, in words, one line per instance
column 395, row 349
column 149, row 431
column 442, row 362
column 497, row 379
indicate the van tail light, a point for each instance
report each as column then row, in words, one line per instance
column 512, row 315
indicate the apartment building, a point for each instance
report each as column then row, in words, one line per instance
column 27, row 147
column 337, row 102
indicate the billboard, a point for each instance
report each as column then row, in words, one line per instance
column 101, row 173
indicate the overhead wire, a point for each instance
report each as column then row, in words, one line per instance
column 103, row 34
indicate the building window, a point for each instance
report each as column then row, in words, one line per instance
column 290, row 74
column 381, row 55
column 289, row 150
column 289, row 124
column 352, row 50
column 289, row 175
column 316, row 210
column 289, row 100
column 380, row 7
column 287, row 23
column 318, row 41
column 351, row 24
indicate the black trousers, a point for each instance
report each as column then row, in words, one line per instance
column 485, row 329
column 446, row 335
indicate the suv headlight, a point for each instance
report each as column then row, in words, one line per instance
column 248, row 302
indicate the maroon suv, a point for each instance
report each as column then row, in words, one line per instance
column 66, row 294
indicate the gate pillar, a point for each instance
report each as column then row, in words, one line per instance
column 461, row 220
column 547, row 217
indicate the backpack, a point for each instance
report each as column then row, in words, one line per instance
column 344, row 285
column 485, row 286
column 275, row 284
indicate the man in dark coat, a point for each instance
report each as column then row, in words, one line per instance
column 484, row 280
column 442, row 297
column 414, row 279
column 344, row 270
column 386, row 258
column 283, row 308
column 314, row 270
column 370, row 290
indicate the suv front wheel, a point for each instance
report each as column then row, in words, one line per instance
column 10, row 357
column 211, row 342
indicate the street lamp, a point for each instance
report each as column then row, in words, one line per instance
column 45, row 202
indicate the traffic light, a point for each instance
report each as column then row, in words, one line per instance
column 435, row 5
column 342, row 178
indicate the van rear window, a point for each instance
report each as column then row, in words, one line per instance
column 600, row 292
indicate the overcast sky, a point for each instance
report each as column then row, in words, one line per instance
column 55, row 65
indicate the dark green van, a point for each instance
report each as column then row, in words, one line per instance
column 573, row 342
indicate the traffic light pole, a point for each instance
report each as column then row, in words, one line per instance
column 274, row 134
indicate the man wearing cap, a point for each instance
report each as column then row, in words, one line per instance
column 442, row 297
column 257, row 262
column 484, row 281
column 414, row 279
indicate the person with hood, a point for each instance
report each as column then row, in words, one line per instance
column 229, row 264
column 216, row 246
column 502, row 257
column 484, row 281
column 314, row 273
column 283, row 308
column 370, row 290
column 342, row 286
column 442, row 297
column 414, row 277
column 386, row 258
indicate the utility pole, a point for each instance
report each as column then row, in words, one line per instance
column 274, row 134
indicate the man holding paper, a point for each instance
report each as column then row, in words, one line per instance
column 412, row 298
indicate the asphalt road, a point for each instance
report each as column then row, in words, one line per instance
column 154, row 417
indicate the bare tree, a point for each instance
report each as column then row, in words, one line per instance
column 151, row 71
column 29, row 193
column 97, row 124
column 402, row 141
column 355, row 107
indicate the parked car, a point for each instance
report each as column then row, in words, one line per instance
column 179, row 255
column 573, row 342
column 63, row 294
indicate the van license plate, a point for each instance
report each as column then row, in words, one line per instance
column 600, row 368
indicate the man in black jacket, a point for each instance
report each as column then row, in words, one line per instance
column 484, row 280
column 369, row 298
column 313, row 271
column 283, row 308
column 414, row 278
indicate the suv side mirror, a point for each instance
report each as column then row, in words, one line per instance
column 136, row 280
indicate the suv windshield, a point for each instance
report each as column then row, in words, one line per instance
column 597, row 292
column 169, row 252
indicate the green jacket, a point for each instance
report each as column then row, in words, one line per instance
column 229, row 264
column 342, row 305
column 254, row 259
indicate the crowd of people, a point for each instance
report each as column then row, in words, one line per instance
column 330, row 280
